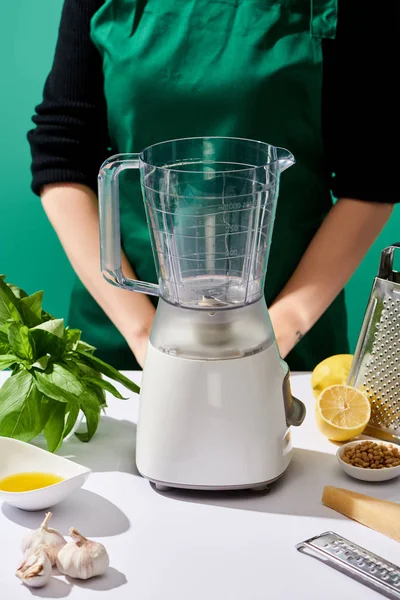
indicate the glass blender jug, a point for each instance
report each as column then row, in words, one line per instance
column 210, row 206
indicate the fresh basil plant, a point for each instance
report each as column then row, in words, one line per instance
column 54, row 374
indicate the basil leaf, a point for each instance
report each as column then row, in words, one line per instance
column 21, row 341
column 92, row 422
column 6, row 360
column 46, row 343
column 62, row 385
column 49, row 338
column 8, row 304
column 81, row 371
column 99, row 393
column 90, row 400
column 41, row 363
column 31, row 309
column 20, row 407
column 47, row 316
column 71, row 419
column 85, row 347
column 105, row 385
column 4, row 343
column 46, row 406
column 54, row 428
column 109, row 371
column 79, row 368
column 72, row 337
column 66, row 377
column 18, row 292
column 59, row 384
column 53, row 326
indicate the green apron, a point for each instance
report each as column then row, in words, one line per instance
column 242, row 68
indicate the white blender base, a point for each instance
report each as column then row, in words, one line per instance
column 213, row 425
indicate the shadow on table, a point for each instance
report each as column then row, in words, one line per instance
column 112, row 449
column 56, row 588
column 87, row 512
column 109, row 581
column 297, row 493
column 61, row 588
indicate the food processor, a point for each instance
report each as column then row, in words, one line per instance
column 215, row 404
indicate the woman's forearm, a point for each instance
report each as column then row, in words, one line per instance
column 330, row 260
column 73, row 211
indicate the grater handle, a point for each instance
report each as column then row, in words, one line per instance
column 386, row 264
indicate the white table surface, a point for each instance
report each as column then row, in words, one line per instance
column 197, row 546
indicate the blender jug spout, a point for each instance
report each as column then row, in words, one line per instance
column 285, row 159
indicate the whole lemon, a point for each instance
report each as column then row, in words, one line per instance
column 334, row 370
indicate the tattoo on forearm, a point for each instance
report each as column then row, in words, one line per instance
column 299, row 335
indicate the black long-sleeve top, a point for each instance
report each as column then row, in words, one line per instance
column 360, row 103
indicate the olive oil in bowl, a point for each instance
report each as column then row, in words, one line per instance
column 33, row 479
column 26, row 482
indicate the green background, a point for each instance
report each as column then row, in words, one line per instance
column 30, row 254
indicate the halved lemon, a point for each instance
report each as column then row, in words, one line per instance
column 342, row 412
column 331, row 371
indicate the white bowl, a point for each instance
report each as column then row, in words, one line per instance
column 366, row 474
column 20, row 457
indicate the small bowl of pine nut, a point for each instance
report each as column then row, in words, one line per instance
column 370, row 460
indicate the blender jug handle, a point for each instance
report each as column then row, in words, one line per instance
column 110, row 231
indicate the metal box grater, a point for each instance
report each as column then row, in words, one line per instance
column 376, row 363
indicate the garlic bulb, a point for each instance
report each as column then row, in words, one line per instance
column 82, row 558
column 45, row 536
column 35, row 571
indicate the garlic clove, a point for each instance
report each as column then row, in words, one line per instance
column 45, row 536
column 82, row 558
column 35, row 570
